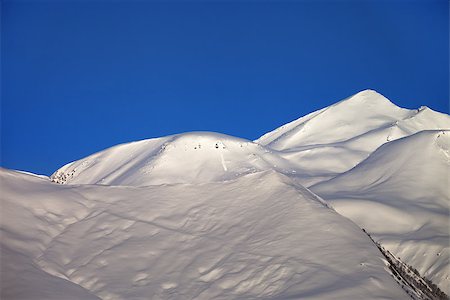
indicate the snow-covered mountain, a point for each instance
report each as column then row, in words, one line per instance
column 335, row 139
column 204, row 215
column 400, row 194
column 313, row 148
column 195, row 157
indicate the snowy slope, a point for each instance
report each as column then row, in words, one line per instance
column 314, row 148
column 259, row 236
column 205, row 215
column 336, row 123
column 400, row 194
column 184, row 158
column 335, row 139
column 31, row 215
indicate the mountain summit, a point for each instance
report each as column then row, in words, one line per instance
column 335, row 139
column 366, row 113
column 349, row 118
column 193, row 157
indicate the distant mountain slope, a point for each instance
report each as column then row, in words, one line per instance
column 259, row 236
column 400, row 194
column 184, row 158
column 335, row 139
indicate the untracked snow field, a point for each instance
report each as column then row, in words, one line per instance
column 259, row 236
column 400, row 194
column 204, row 215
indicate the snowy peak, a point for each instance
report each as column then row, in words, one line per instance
column 350, row 129
column 363, row 98
column 334, row 139
column 185, row 158
column 356, row 115
column 367, row 97
column 221, row 216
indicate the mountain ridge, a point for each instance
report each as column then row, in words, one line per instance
column 188, row 157
column 382, row 167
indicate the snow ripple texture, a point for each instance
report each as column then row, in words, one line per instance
column 204, row 215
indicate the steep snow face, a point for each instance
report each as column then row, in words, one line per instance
column 185, row 158
column 339, row 122
column 335, row 139
column 400, row 194
column 260, row 236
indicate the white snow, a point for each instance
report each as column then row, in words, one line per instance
column 194, row 157
column 203, row 215
column 335, row 139
column 400, row 194
column 259, row 236
column 339, row 122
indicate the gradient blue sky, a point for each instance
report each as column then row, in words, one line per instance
column 80, row 76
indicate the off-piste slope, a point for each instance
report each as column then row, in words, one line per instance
column 336, row 123
column 194, row 157
column 258, row 236
column 400, row 194
column 335, row 139
column 32, row 213
column 312, row 149
column 204, row 215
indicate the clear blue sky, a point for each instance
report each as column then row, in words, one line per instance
column 80, row 76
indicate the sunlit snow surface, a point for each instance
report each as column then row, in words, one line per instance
column 209, row 216
column 195, row 157
column 259, row 236
column 400, row 194
column 333, row 140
